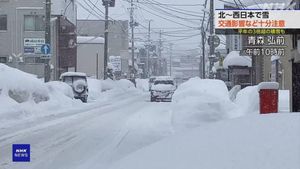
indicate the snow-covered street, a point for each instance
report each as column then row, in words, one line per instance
column 92, row 137
column 119, row 123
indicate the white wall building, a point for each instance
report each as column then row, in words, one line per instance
column 90, row 56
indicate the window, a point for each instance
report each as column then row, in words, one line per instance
column 34, row 23
column 166, row 82
column 3, row 22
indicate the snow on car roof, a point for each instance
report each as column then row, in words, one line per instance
column 164, row 78
column 72, row 74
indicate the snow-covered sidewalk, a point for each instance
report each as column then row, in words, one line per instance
column 258, row 141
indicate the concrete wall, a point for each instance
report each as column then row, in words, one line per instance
column 86, row 59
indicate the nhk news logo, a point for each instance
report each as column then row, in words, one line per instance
column 21, row 152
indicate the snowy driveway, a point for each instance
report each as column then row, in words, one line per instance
column 95, row 136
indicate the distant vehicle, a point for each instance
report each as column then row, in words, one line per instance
column 151, row 81
column 163, row 89
column 78, row 81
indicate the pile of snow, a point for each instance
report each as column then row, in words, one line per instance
column 123, row 84
column 234, row 91
column 23, row 96
column 95, row 88
column 199, row 101
column 21, row 86
column 266, row 142
column 235, row 59
column 60, row 88
column 142, row 84
column 284, row 101
column 61, row 97
column 248, row 100
column 268, row 85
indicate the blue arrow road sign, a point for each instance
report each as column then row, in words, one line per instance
column 45, row 49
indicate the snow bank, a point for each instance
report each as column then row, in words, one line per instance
column 21, row 86
column 23, row 96
column 199, row 101
column 60, row 88
column 95, row 88
column 61, row 97
column 117, row 84
column 142, row 84
column 248, row 100
column 234, row 91
column 268, row 142
column 235, row 59
column 284, row 101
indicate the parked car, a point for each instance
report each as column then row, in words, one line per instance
column 78, row 81
column 163, row 89
column 151, row 81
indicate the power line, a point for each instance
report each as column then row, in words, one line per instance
column 152, row 3
column 178, row 10
column 162, row 11
column 167, row 19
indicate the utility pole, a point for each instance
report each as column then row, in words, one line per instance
column 171, row 53
column 203, row 53
column 132, row 25
column 47, row 39
column 148, row 49
column 97, row 66
column 160, row 44
column 106, row 4
column 211, row 31
column 159, row 53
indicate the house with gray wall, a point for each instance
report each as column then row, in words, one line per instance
column 22, row 31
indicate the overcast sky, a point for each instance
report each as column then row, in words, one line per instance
column 180, row 33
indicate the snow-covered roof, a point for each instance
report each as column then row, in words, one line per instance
column 90, row 40
column 235, row 59
column 72, row 74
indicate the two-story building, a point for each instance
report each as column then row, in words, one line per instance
column 22, row 33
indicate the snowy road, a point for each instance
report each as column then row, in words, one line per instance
column 94, row 136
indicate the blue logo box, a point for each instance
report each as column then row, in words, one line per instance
column 21, row 152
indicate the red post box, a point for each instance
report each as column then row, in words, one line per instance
column 268, row 97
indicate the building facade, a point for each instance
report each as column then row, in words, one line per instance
column 90, row 56
column 117, row 36
column 22, row 32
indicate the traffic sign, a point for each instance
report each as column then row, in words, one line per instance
column 215, row 39
column 45, row 49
